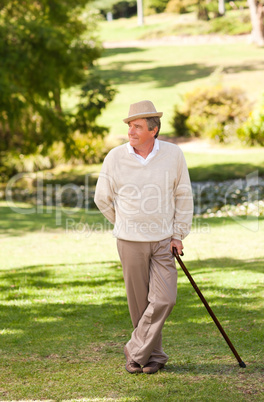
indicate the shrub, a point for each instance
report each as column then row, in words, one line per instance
column 124, row 9
column 214, row 112
column 202, row 12
column 179, row 6
column 235, row 23
column 179, row 123
column 252, row 131
column 155, row 6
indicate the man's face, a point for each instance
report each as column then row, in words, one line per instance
column 139, row 134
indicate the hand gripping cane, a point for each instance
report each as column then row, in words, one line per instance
column 208, row 308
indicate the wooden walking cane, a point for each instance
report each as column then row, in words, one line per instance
column 208, row 308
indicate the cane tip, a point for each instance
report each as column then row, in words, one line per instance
column 242, row 364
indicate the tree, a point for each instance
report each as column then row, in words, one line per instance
column 45, row 49
column 140, row 14
column 257, row 19
column 221, row 7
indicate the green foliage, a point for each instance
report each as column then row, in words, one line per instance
column 124, row 9
column 252, row 131
column 104, row 5
column 155, row 6
column 45, row 49
column 230, row 25
column 212, row 7
column 119, row 8
column 202, row 11
column 179, row 6
column 179, row 123
column 12, row 163
column 212, row 112
column 86, row 142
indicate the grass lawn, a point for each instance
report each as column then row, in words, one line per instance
column 168, row 24
column 64, row 317
column 224, row 165
column 164, row 73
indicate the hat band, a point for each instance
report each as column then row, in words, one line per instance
column 141, row 115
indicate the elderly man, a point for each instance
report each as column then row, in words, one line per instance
column 144, row 190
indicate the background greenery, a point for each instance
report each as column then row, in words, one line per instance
column 167, row 24
column 64, row 317
column 47, row 48
column 53, row 126
column 221, row 163
column 165, row 73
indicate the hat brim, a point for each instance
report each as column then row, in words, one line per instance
column 142, row 116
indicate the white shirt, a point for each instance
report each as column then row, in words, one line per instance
column 150, row 156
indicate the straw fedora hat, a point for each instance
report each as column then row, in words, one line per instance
column 142, row 109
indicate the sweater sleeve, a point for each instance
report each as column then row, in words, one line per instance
column 104, row 192
column 183, row 201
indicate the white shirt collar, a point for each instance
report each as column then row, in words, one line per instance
column 155, row 148
column 150, row 155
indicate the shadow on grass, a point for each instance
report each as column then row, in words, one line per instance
column 163, row 76
column 121, row 50
column 35, row 303
column 38, row 314
column 256, row 66
column 16, row 222
column 220, row 172
column 215, row 265
column 203, row 368
column 42, row 276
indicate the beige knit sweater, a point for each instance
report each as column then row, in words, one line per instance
column 146, row 203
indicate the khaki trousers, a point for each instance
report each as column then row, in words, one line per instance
column 151, row 284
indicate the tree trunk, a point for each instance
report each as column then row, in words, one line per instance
column 57, row 99
column 221, row 7
column 140, row 13
column 257, row 20
column 202, row 12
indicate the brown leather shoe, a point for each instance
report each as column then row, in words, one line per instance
column 152, row 367
column 131, row 366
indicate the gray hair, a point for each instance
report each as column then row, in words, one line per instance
column 153, row 122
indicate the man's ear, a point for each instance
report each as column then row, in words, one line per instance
column 155, row 130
